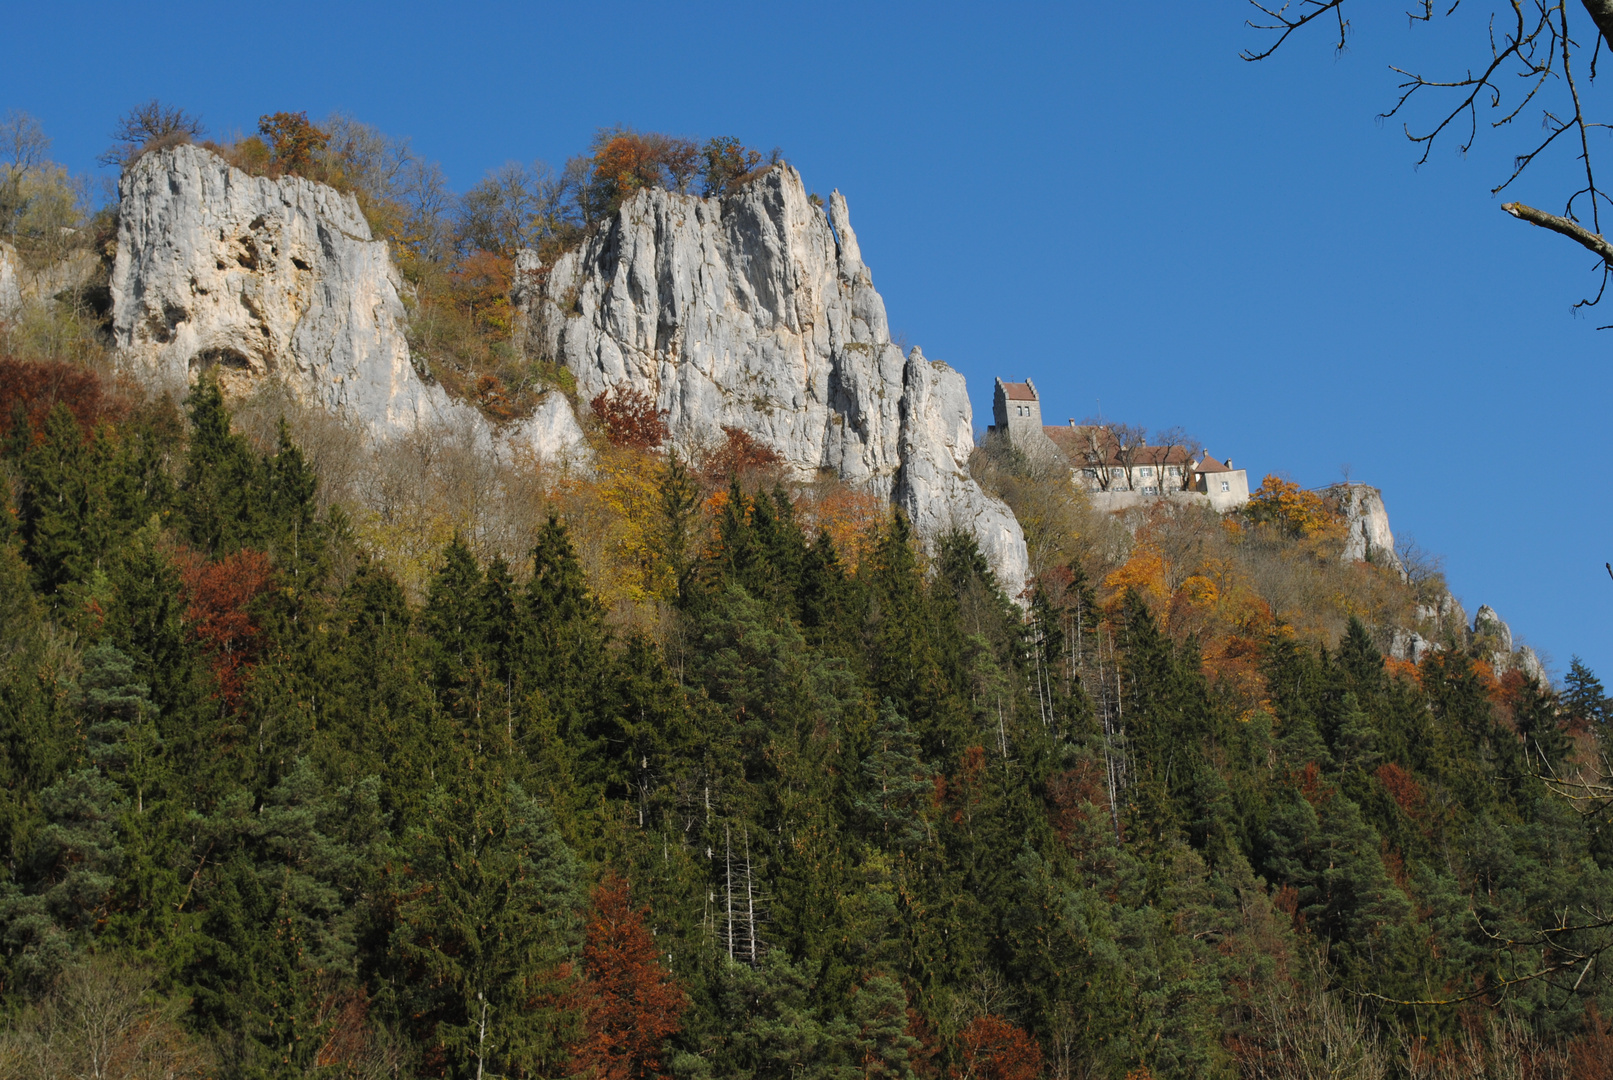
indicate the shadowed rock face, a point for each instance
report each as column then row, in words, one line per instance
column 757, row 312
column 254, row 277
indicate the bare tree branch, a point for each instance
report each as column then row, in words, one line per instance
column 1287, row 24
column 1531, row 63
column 1571, row 229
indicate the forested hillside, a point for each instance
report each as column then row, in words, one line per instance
column 266, row 815
column 331, row 757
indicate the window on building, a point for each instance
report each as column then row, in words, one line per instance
column 1117, row 473
column 1174, row 470
column 1226, row 486
column 1150, row 490
column 1090, row 474
column 1146, row 470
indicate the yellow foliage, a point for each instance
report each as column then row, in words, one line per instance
column 1287, row 505
column 613, row 516
column 853, row 519
column 1199, row 591
column 1144, row 571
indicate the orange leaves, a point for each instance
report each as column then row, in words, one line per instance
column 218, row 597
column 480, row 286
column 630, row 418
column 1285, row 504
column 625, row 161
column 1403, row 669
column 292, row 140
column 995, row 1049
column 1144, row 571
column 630, row 1003
column 852, row 519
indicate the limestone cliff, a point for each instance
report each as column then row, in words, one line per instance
column 10, row 287
column 756, row 312
column 1366, row 520
column 261, row 277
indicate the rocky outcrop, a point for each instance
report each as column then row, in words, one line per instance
column 1492, row 638
column 10, row 286
column 757, row 312
column 1488, row 626
column 1367, row 537
column 258, row 278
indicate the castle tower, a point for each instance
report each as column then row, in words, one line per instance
column 1018, row 411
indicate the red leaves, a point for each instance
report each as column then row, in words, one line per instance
column 1311, row 785
column 217, row 597
column 630, row 1003
column 630, row 418
column 739, row 455
column 1403, row 788
column 994, row 1049
column 38, row 387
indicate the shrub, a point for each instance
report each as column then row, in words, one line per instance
column 150, row 126
column 625, row 161
column 729, row 165
column 295, row 145
column 630, row 418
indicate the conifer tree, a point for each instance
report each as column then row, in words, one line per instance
column 220, row 494
column 895, row 785
column 487, row 914
column 630, row 1004
column 1584, row 699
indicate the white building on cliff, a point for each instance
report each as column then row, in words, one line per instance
column 1114, row 473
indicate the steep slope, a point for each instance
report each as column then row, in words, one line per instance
column 260, row 277
column 756, row 312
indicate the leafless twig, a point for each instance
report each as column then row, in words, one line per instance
column 1531, row 63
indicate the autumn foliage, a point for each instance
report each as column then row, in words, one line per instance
column 630, row 418
column 995, row 1049
column 293, row 141
column 30, row 389
column 1285, row 504
column 629, row 1001
column 218, row 600
column 739, row 454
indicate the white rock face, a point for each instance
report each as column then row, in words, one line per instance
column 1368, row 538
column 257, row 278
column 10, row 287
column 1487, row 624
column 1526, row 661
column 757, row 312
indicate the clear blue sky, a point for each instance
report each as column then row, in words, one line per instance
column 1101, row 197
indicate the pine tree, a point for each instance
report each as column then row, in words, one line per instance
column 487, row 914
column 896, row 784
column 1547, row 746
column 1584, row 699
column 220, row 495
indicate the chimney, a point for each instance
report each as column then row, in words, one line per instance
column 1229, row 463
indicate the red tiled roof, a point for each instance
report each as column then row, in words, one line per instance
column 1209, row 465
column 1092, row 447
column 1018, row 391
